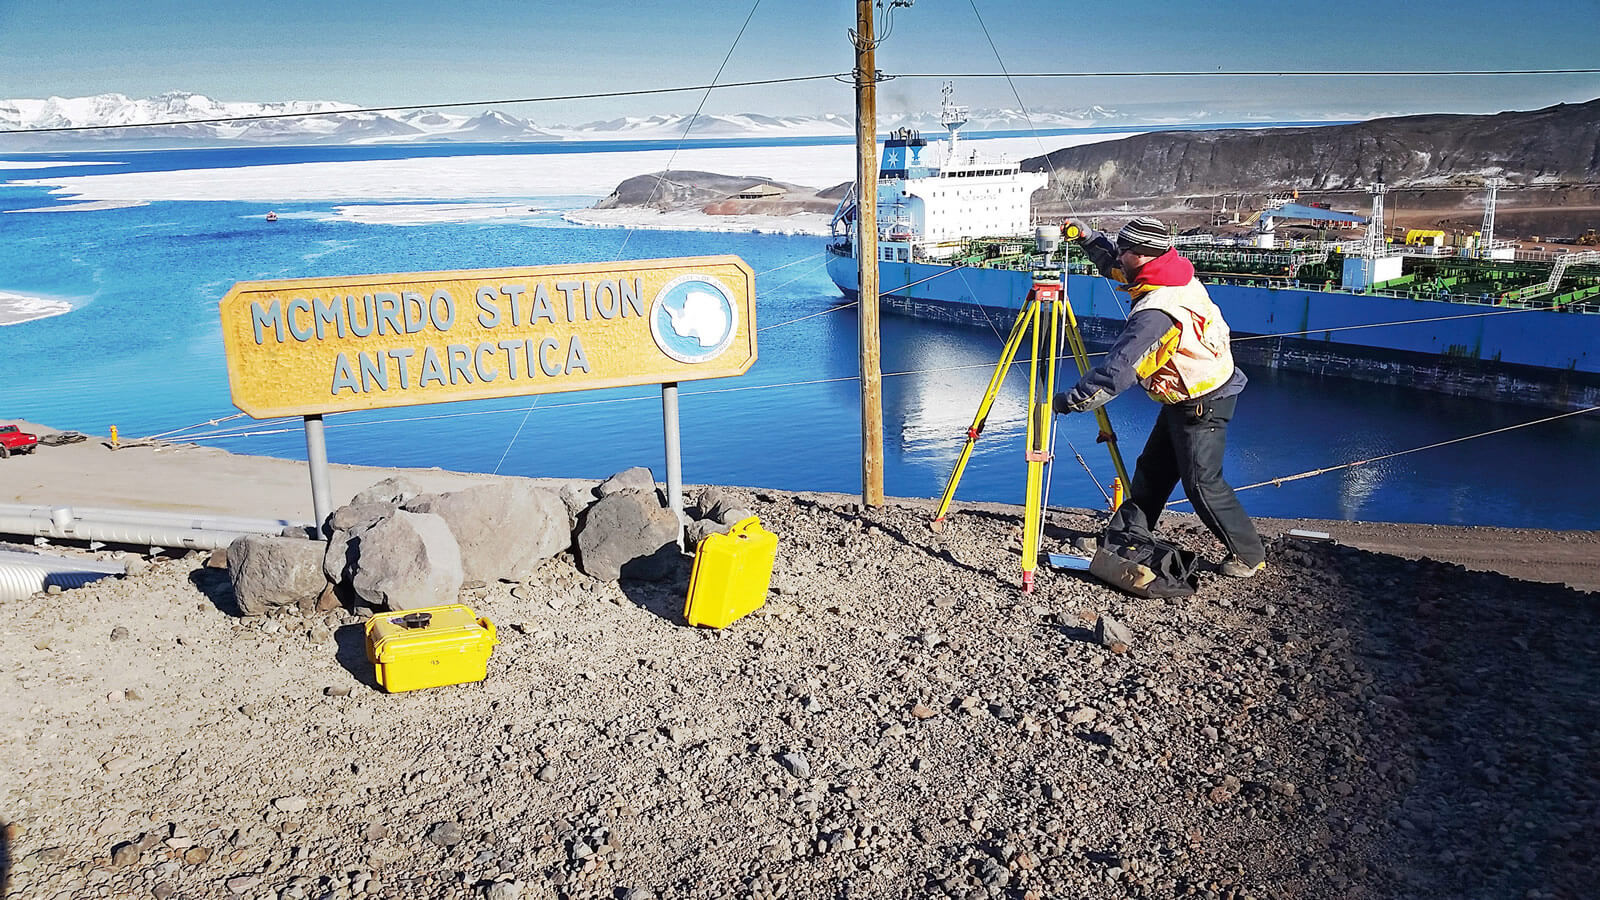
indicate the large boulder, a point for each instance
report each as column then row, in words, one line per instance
column 720, row 506
column 406, row 561
column 504, row 528
column 578, row 497
column 628, row 535
column 339, row 561
column 270, row 571
column 393, row 491
column 637, row 478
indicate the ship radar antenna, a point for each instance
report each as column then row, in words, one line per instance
column 952, row 117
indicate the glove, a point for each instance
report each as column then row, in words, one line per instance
column 1081, row 399
column 1075, row 231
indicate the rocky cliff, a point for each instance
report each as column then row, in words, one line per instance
column 1556, row 145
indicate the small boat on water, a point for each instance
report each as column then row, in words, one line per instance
column 956, row 243
column 272, row 216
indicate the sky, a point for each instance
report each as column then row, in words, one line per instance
column 411, row 52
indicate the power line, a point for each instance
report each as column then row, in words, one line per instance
column 1255, row 73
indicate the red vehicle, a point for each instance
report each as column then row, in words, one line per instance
column 15, row 440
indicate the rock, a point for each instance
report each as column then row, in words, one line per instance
column 637, row 478
column 796, row 764
column 445, row 834
column 375, row 832
column 271, row 572
column 700, row 529
column 406, row 561
column 1109, row 632
column 242, row 884
column 121, row 765
column 1227, row 790
column 328, row 600
column 218, row 559
column 119, row 633
column 290, row 804
column 577, row 498
column 194, row 856
column 504, row 890
column 504, row 529
column 392, row 491
column 347, row 523
column 717, row 505
column 135, row 565
column 628, row 535
column 357, row 516
column 125, row 854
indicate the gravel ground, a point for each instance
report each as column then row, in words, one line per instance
column 897, row 721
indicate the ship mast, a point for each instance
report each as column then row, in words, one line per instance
column 1486, row 233
column 952, row 117
column 1373, row 247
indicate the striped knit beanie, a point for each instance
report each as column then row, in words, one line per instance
column 1144, row 236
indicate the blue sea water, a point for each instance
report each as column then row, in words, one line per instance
column 142, row 350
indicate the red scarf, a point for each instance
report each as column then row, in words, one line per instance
column 1167, row 270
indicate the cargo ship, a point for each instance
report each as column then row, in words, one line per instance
column 956, row 243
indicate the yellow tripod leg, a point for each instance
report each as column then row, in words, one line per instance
column 1029, row 311
column 1040, row 419
column 1081, row 355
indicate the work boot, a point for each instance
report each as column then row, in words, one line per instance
column 1234, row 567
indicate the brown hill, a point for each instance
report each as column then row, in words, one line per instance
column 1556, row 145
column 1435, row 166
column 716, row 194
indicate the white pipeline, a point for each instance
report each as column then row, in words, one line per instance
column 24, row 574
column 139, row 528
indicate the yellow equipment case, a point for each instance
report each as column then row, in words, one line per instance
column 731, row 573
column 423, row 648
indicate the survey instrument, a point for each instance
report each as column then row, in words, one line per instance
column 1046, row 318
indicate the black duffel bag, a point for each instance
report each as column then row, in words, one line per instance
column 1135, row 560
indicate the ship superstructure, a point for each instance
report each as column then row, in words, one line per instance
column 956, row 244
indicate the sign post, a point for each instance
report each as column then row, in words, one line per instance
column 311, row 346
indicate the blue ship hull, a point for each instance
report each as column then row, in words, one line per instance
column 1535, row 357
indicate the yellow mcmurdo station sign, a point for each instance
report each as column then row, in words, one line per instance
column 307, row 346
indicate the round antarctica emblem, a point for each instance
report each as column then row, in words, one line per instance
column 693, row 318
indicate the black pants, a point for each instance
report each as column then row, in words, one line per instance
column 1186, row 445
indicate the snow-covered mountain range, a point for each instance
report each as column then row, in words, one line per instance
column 120, row 120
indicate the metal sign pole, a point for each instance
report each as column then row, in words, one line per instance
column 317, row 456
column 669, row 424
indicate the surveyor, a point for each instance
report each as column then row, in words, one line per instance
column 1175, row 345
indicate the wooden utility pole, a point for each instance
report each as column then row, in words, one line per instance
column 867, row 258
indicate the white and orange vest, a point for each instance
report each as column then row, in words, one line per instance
column 1192, row 359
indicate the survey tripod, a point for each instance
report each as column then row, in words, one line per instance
column 1046, row 318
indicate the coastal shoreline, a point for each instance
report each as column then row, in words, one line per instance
column 160, row 476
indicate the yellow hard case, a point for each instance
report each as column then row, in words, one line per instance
column 431, row 647
column 731, row 573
